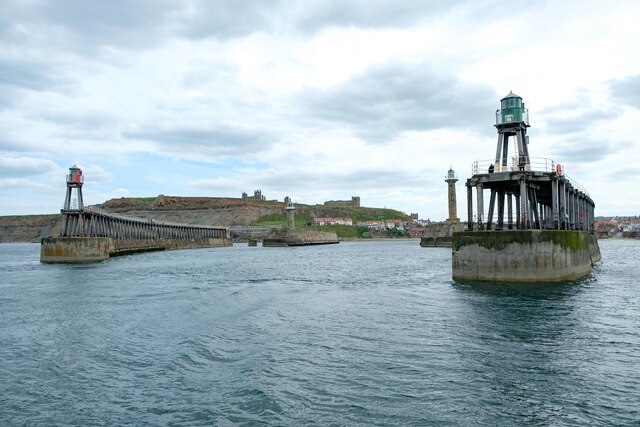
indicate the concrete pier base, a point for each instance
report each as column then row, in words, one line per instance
column 523, row 255
column 92, row 249
column 284, row 237
column 435, row 242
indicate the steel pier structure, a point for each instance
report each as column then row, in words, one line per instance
column 545, row 198
column 536, row 196
column 539, row 222
column 91, row 234
column 93, row 222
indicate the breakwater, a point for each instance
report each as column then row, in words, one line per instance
column 92, row 249
column 285, row 237
column 523, row 255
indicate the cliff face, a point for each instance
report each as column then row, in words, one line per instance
column 196, row 210
column 229, row 211
column 29, row 228
column 215, row 211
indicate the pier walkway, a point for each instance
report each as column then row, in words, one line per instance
column 94, row 222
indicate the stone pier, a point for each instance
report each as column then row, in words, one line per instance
column 92, row 249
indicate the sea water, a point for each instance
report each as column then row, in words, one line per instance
column 360, row 333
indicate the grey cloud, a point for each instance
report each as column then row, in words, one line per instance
column 84, row 25
column 350, row 180
column 393, row 98
column 387, row 14
column 23, row 167
column 584, row 150
column 576, row 114
column 128, row 24
column 228, row 18
column 27, row 75
column 626, row 91
column 625, row 173
column 371, row 14
column 562, row 121
column 223, row 141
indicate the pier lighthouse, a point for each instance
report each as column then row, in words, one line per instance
column 512, row 120
column 291, row 209
column 74, row 182
column 539, row 223
column 71, row 211
column 451, row 180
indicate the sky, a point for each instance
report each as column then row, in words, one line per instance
column 316, row 100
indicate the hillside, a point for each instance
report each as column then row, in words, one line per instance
column 192, row 210
column 28, row 228
column 229, row 211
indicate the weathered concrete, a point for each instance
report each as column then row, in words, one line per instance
column 438, row 234
column 75, row 249
column 436, row 242
column 283, row 237
column 523, row 255
column 92, row 249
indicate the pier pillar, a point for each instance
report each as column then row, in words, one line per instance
column 510, row 211
column 469, row 206
column 500, row 221
column 555, row 204
column 524, row 205
column 480, row 209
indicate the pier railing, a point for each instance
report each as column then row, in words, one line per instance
column 536, row 164
column 96, row 222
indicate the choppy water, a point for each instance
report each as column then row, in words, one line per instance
column 366, row 333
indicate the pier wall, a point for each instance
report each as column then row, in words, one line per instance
column 523, row 255
column 436, row 242
column 92, row 249
column 284, row 237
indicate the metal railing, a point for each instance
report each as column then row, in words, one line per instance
column 535, row 164
column 94, row 209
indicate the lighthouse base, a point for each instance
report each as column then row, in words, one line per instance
column 523, row 255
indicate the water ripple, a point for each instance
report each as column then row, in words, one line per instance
column 353, row 334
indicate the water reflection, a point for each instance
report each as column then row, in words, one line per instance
column 522, row 338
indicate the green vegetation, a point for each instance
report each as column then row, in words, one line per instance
column 275, row 220
column 305, row 213
column 359, row 213
column 572, row 239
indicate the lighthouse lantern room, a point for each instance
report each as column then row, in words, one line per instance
column 74, row 181
column 512, row 120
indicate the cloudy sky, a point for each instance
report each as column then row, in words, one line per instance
column 318, row 100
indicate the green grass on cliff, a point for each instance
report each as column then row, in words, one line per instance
column 281, row 220
column 303, row 222
column 359, row 213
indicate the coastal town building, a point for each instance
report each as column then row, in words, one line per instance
column 382, row 225
column 331, row 221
